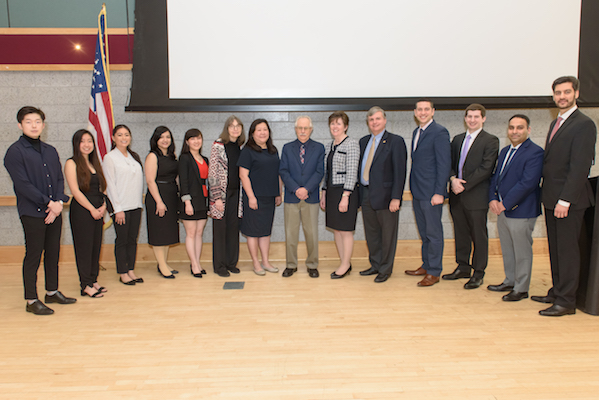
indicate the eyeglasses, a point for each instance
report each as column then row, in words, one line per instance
column 303, row 128
column 235, row 126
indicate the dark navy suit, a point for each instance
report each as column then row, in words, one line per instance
column 431, row 163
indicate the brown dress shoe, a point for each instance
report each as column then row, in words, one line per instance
column 415, row 272
column 429, row 280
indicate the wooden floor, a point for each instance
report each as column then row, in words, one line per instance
column 294, row 338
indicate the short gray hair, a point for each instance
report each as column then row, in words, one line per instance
column 303, row 116
column 373, row 111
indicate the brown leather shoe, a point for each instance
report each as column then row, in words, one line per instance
column 415, row 272
column 429, row 280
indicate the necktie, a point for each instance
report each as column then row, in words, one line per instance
column 302, row 153
column 463, row 156
column 366, row 174
column 417, row 138
column 507, row 160
column 558, row 123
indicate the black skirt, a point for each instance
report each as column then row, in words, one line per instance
column 258, row 223
column 337, row 220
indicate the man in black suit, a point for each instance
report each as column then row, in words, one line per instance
column 566, row 193
column 473, row 158
column 383, row 158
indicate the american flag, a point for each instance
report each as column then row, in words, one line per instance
column 101, row 117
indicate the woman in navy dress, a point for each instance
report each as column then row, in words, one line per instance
column 162, row 198
column 86, row 181
column 259, row 174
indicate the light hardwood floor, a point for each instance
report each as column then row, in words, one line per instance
column 293, row 338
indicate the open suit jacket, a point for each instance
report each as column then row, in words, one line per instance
column 478, row 168
column 190, row 182
column 568, row 159
column 388, row 170
column 431, row 163
column 518, row 186
column 307, row 175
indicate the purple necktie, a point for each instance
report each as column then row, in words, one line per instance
column 302, row 153
column 463, row 156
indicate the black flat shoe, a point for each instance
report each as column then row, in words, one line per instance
column 130, row 283
column 335, row 276
column 233, row 270
column 198, row 275
column 139, row 280
column 171, row 276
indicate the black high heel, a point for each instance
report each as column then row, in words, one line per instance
column 198, row 275
column 335, row 276
column 171, row 276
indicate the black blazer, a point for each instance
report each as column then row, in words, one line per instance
column 478, row 168
column 190, row 182
column 567, row 163
column 388, row 170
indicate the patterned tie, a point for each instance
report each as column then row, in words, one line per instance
column 417, row 138
column 463, row 156
column 558, row 123
column 366, row 174
column 302, row 153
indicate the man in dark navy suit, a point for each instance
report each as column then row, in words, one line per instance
column 302, row 169
column 566, row 193
column 431, row 163
column 383, row 158
column 515, row 197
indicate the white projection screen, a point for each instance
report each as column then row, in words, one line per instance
column 328, row 54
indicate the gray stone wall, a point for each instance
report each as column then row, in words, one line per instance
column 64, row 97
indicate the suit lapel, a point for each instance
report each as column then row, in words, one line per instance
column 561, row 129
column 381, row 146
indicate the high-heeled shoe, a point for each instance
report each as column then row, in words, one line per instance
column 335, row 276
column 198, row 275
column 171, row 276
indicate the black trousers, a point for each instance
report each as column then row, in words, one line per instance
column 87, row 242
column 225, row 235
column 125, row 244
column 470, row 228
column 380, row 230
column 40, row 237
column 563, row 235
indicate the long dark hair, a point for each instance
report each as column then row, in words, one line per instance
column 133, row 154
column 252, row 143
column 188, row 135
column 83, row 173
column 154, row 142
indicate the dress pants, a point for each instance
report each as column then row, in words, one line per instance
column 380, row 230
column 225, row 235
column 430, row 228
column 470, row 227
column 87, row 242
column 125, row 244
column 564, row 254
column 40, row 237
column 308, row 215
column 515, row 235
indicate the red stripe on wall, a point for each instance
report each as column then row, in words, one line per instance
column 61, row 49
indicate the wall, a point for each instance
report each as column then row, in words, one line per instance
column 64, row 97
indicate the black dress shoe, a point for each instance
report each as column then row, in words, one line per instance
column 369, row 271
column 543, row 299
column 313, row 273
column 223, row 273
column 130, row 283
column 557, row 311
column 233, row 270
column 198, row 275
column 59, row 298
column 335, row 276
column 515, row 296
column 473, row 283
column 457, row 274
column 500, row 288
column 171, row 276
column 380, row 278
column 39, row 308
column 288, row 272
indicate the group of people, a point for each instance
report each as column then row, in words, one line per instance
column 241, row 184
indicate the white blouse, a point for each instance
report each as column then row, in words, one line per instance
column 124, row 181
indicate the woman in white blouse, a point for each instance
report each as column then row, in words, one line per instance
column 124, row 183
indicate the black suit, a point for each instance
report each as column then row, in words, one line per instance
column 568, row 159
column 469, row 208
column 386, row 182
